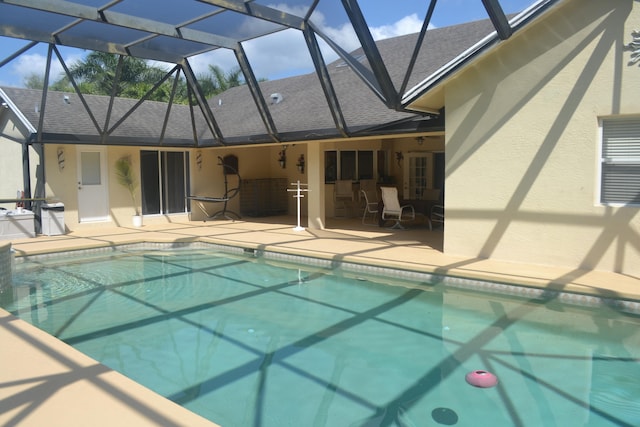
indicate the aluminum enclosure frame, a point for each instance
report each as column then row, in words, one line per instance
column 128, row 34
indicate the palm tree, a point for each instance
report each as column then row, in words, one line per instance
column 98, row 70
column 96, row 75
column 225, row 81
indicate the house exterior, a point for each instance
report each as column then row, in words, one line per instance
column 13, row 129
column 524, row 142
column 518, row 133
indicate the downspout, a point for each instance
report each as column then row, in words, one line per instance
column 26, row 174
column 39, row 191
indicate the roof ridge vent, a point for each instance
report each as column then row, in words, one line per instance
column 276, row 98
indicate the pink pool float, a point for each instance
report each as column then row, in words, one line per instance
column 482, row 379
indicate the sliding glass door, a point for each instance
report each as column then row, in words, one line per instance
column 165, row 181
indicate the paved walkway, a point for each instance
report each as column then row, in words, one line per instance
column 45, row 382
column 415, row 248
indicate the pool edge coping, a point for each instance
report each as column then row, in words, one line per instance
column 493, row 282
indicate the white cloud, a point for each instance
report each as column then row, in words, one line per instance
column 273, row 56
column 285, row 53
column 35, row 63
column 407, row 25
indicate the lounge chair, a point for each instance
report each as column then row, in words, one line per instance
column 392, row 209
column 227, row 169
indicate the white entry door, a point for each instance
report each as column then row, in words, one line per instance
column 93, row 203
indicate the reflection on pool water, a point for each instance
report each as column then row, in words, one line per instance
column 248, row 342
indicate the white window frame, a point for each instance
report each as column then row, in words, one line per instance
column 619, row 145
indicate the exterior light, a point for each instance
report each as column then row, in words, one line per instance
column 282, row 157
column 300, row 163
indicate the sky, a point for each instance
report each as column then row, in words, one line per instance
column 284, row 53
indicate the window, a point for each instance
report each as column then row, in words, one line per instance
column 330, row 166
column 419, row 174
column 164, row 182
column 365, row 165
column 620, row 163
column 349, row 164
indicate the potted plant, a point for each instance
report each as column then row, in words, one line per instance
column 127, row 178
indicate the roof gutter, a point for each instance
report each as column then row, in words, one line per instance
column 10, row 104
column 473, row 53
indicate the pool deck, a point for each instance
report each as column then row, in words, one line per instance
column 45, row 382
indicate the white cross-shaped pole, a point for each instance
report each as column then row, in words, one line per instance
column 298, row 196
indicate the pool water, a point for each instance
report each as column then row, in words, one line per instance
column 247, row 342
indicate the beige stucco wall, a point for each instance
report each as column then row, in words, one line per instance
column 522, row 143
column 62, row 183
column 206, row 179
column 13, row 134
column 253, row 163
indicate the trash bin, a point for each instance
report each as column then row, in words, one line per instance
column 52, row 217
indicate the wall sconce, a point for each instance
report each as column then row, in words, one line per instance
column 399, row 158
column 282, row 157
column 300, row 163
column 199, row 159
column 61, row 159
column 420, row 140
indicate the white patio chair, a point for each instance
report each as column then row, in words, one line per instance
column 343, row 197
column 370, row 207
column 392, row 209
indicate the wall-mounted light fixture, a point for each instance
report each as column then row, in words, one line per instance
column 300, row 163
column 282, row 157
column 420, row 140
column 399, row 158
column 61, row 160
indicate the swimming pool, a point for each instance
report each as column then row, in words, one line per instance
column 249, row 341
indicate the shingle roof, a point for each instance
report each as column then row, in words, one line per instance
column 304, row 108
column 66, row 119
column 302, row 114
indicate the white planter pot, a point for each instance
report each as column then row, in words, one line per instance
column 137, row 220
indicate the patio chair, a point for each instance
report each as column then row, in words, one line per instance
column 392, row 209
column 343, row 197
column 437, row 214
column 370, row 207
column 368, row 185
